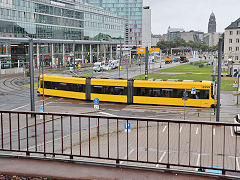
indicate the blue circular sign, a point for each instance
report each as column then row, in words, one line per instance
column 96, row 101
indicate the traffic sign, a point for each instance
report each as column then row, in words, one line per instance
column 193, row 90
column 96, row 101
column 141, row 50
column 41, row 110
column 127, row 126
column 96, row 107
column 154, row 51
column 92, row 75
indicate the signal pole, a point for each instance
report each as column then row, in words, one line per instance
column 146, row 63
column 219, row 78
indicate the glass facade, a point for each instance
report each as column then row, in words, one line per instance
column 131, row 10
column 69, row 19
column 58, row 19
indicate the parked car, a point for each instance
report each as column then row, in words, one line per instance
column 237, row 121
column 97, row 67
column 183, row 59
column 176, row 59
column 106, row 67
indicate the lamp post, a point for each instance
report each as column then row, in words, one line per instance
column 120, row 58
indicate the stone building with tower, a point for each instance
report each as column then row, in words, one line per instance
column 212, row 25
column 212, row 37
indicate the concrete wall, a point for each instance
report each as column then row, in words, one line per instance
column 11, row 71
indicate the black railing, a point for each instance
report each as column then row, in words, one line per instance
column 180, row 144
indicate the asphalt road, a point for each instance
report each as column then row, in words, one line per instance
column 13, row 96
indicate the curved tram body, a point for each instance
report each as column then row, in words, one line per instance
column 129, row 91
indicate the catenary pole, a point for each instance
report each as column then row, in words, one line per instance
column 31, row 69
column 219, row 78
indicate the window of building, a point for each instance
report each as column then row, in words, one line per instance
column 237, row 40
column 230, row 40
column 230, row 48
column 238, row 32
column 237, row 48
column 230, row 32
column 236, row 57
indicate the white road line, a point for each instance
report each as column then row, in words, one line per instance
column 180, row 129
column 231, row 129
column 164, row 129
column 238, row 165
column 161, row 158
column 214, row 131
column 198, row 161
column 28, row 105
column 127, row 156
column 19, row 107
column 197, row 131
column 107, row 114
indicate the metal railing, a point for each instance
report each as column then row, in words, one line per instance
column 187, row 145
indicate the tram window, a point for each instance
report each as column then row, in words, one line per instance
column 97, row 89
column 63, row 86
column 113, row 90
column 171, row 93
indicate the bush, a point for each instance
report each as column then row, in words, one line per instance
column 201, row 65
column 27, row 73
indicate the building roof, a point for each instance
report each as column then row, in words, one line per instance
column 234, row 25
column 212, row 15
column 175, row 30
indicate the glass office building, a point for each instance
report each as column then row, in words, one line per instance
column 130, row 10
column 57, row 19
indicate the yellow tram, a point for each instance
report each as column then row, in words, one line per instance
column 129, row 91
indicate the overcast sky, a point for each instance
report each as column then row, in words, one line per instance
column 192, row 14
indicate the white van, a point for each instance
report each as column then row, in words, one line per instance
column 97, row 67
column 115, row 64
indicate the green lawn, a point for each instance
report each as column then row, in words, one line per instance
column 206, row 77
column 226, row 84
column 189, row 68
column 28, row 85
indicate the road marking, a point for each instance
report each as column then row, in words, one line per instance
column 164, row 129
column 19, row 107
column 231, row 129
column 180, row 129
column 127, row 156
column 161, row 158
column 197, row 131
column 198, row 161
column 28, row 104
column 107, row 114
column 214, row 131
column 237, row 161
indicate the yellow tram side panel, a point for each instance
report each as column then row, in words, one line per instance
column 59, row 93
column 173, row 101
column 63, row 79
column 109, row 97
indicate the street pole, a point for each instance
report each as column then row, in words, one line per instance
column 120, row 58
column 219, row 78
column 160, row 58
column 43, row 84
column 146, row 63
column 127, row 69
column 74, row 68
column 31, row 69
column 238, row 89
